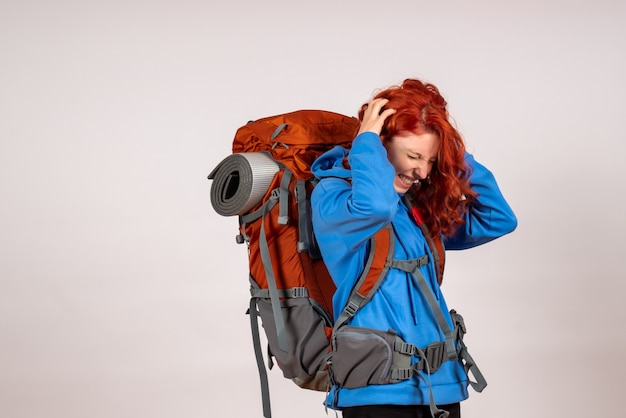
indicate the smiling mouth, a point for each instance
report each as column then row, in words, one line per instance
column 407, row 181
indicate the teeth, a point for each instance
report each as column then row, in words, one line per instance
column 407, row 181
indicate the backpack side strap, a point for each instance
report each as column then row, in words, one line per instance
column 468, row 362
column 256, row 342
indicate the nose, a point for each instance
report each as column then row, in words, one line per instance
column 421, row 169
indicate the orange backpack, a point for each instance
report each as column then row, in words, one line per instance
column 267, row 183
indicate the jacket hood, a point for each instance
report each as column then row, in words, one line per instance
column 330, row 164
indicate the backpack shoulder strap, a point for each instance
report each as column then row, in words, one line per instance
column 378, row 262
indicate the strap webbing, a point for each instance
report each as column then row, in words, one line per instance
column 304, row 233
column 256, row 341
column 283, row 200
column 277, row 131
column 271, row 280
column 435, row 411
column 292, row 293
column 470, row 366
column 356, row 299
column 260, row 212
column 413, row 268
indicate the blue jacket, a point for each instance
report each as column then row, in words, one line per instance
column 347, row 214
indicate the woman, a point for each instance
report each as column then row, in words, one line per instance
column 406, row 155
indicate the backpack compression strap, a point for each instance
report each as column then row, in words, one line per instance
column 282, row 196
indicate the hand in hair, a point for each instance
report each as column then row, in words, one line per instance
column 373, row 118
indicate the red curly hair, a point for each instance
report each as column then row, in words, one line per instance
column 420, row 108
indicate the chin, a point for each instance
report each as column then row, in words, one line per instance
column 402, row 190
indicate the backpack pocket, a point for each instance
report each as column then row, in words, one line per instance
column 308, row 342
column 362, row 357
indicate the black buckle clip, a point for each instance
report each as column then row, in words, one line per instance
column 434, row 356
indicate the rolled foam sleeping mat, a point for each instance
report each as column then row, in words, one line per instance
column 240, row 181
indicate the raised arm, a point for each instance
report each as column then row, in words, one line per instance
column 489, row 216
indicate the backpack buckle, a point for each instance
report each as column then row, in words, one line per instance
column 458, row 322
column 351, row 308
column 434, row 356
column 299, row 292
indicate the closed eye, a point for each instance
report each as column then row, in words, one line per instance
column 420, row 157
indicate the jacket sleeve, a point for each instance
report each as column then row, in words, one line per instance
column 350, row 211
column 489, row 216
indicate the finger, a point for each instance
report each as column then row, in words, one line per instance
column 387, row 112
column 378, row 104
column 374, row 122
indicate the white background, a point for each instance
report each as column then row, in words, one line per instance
column 122, row 293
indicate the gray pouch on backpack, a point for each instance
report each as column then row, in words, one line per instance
column 306, row 340
column 365, row 356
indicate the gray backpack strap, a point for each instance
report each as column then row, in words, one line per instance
column 468, row 362
column 271, row 279
column 294, row 292
column 253, row 216
column 435, row 411
column 256, row 342
column 283, row 200
column 412, row 266
column 303, row 215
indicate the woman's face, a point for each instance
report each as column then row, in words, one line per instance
column 413, row 157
